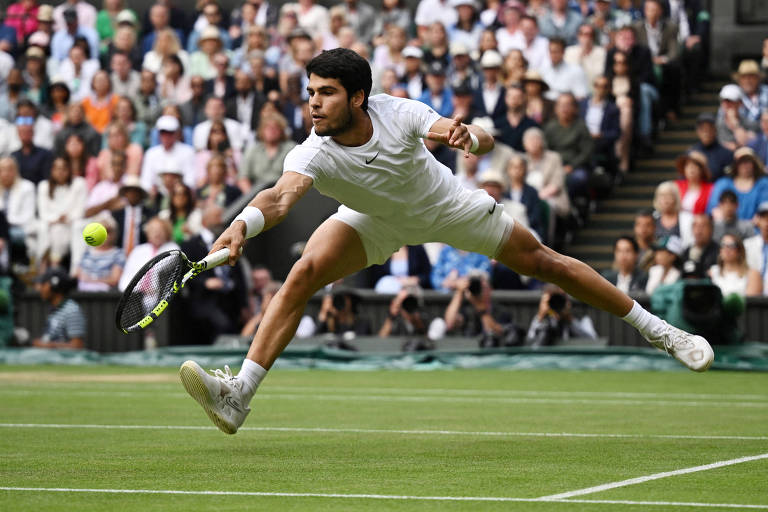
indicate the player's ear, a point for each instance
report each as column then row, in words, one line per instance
column 357, row 98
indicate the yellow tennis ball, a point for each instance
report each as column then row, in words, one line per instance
column 94, row 234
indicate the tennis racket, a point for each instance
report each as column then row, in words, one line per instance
column 156, row 284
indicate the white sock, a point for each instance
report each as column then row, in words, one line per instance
column 647, row 323
column 251, row 375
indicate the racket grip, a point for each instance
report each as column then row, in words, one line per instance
column 215, row 259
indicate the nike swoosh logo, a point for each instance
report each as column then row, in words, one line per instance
column 372, row 159
column 230, row 402
column 492, row 209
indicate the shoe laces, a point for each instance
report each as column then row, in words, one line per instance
column 228, row 377
column 675, row 339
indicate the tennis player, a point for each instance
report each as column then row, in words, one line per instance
column 368, row 153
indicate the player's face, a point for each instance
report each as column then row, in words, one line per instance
column 329, row 105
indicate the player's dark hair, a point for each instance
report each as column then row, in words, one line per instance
column 629, row 239
column 348, row 67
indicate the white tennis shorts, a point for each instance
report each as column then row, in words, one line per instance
column 474, row 222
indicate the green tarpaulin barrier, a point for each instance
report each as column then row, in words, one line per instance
column 748, row 357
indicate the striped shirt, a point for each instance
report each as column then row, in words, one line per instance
column 65, row 322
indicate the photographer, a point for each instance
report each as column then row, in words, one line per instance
column 554, row 320
column 469, row 313
column 406, row 318
column 339, row 316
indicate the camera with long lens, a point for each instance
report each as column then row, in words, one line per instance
column 475, row 286
column 339, row 301
column 410, row 304
column 557, row 302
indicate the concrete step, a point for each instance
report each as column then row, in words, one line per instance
column 616, row 204
column 612, row 216
column 649, row 176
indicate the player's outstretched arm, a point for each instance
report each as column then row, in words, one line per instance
column 453, row 133
column 267, row 209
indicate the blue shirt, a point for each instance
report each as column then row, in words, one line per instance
column 446, row 108
column 748, row 201
column 463, row 262
column 62, row 41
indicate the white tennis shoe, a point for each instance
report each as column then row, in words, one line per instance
column 220, row 395
column 691, row 350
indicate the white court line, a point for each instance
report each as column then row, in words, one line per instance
column 656, row 476
column 420, row 399
column 417, row 432
column 150, row 388
column 378, row 497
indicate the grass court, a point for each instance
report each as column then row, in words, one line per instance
column 129, row 439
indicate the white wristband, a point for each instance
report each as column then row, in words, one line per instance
column 475, row 142
column 254, row 221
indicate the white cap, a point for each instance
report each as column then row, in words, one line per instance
column 730, row 92
column 459, row 48
column 167, row 124
column 486, row 123
column 491, row 59
column 412, row 51
column 126, row 16
column 456, row 3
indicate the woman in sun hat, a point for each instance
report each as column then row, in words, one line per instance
column 746, row 178
column 538, row 108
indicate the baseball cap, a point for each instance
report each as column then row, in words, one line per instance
column 491, row 59
column 167, row 124
column 210, row 32
column 459, row 48
column 705, row 117
column 490, row 176
column 463, row 89
column 436, row 68
column 35, row 52
column 45, row 13
column 762, row 207
column 412, row 51
column 671, row 243
column 730, row 92
column 126, row 16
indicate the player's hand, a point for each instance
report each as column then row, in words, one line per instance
column 233, row 238
column 457, row 136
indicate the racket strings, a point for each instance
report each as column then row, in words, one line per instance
column 152, row 287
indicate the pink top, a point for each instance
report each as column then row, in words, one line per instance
column 22, row 19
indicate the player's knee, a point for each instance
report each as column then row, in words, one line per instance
column 304, row 275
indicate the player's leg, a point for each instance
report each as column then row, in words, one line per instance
column 524, row 254
column 333, row 251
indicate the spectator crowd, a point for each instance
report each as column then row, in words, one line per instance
column 155, row 123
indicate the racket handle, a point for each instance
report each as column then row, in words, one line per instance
column 215, row 259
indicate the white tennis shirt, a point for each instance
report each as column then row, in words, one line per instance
column 391, row 176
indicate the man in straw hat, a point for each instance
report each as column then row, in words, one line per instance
column 367, row 152
column 754, row 95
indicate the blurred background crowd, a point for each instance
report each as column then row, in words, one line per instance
column 157, row 123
